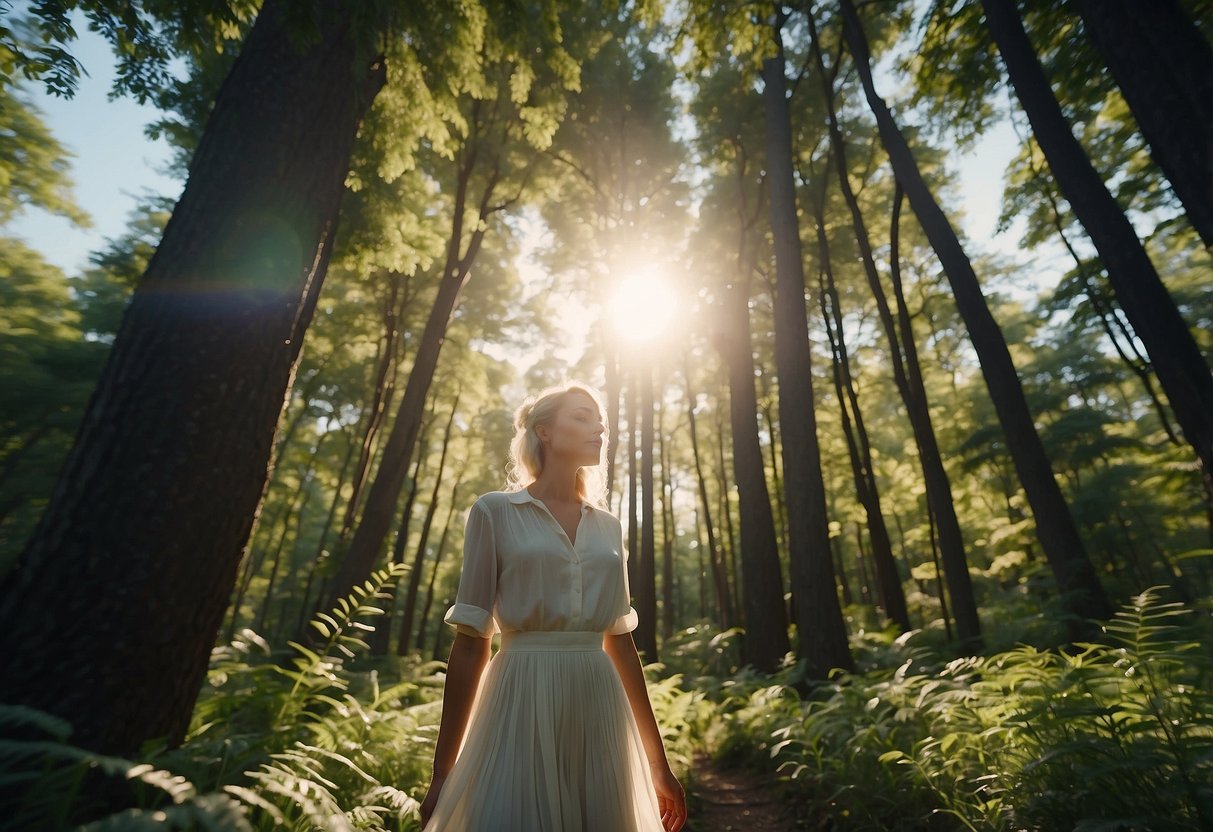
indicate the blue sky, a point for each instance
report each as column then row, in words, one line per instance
column 113, row 161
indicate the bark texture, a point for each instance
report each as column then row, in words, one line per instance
column 1164, row 67
column 110, row 615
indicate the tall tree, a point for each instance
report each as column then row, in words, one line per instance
column 1163, row 65
column 646, row 587
column 720, row 579
column 765, row 614
column 892, row 596
column 1181, row 368
column 499, row 154
column 410, row 598
column 907, row 374
column 155, row 501
column 1076, row 578
column 823, row 635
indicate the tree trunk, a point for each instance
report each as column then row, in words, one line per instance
column 1164, row 67
column 110, row 615
column 367, row 543
column 320, row 554
column 720, row 581
column 728, row 551
column 438, row 552
column 823, row 634
column 294, row 515
column 840, row 572
column 1178, row 363
column 380, row 640
column 381, row 399
column 781, row 514
column 410, row 599
column 892, row 596
column 939, row 581
column 906, row 373
column 633, row 488
column 611, row 360
column 667, row 529
column 766, row 623
column 934, row 475
column 1076, row 579
column 646, row 590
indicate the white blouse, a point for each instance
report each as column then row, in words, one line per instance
column 521, row 572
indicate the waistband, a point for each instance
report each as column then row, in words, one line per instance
column 544, row 640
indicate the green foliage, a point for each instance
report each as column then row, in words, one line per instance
column 1115, row 734
column 304, row 739
column 49, row 369
column 298, row 739
column 33, row 164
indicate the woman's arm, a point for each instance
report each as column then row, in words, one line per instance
column 670, row 796
column 469, row 655
column 622, row 650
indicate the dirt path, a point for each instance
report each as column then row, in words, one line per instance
column 729, row 799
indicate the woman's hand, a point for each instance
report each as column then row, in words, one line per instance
column 671, row 799
column 430, row 800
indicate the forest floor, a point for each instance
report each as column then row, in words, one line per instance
column 726, row 799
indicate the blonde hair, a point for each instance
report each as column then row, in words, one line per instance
column 526, row 450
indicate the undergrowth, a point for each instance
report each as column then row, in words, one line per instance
column 1108, row 735
column 1114, row 734
column 309, row 737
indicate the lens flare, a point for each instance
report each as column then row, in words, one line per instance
column 642, row 307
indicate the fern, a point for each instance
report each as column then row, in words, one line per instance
column 1111, row 735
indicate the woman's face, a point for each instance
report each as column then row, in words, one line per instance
column 577, row 431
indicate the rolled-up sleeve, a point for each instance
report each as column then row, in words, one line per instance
column 472, row 612
column 627, row 619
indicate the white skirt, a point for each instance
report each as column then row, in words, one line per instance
column 551, row 745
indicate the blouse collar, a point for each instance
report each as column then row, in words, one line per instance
column 523, row 496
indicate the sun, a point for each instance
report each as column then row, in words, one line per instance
column 641, row 308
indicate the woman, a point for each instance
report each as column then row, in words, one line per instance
column 560, row 734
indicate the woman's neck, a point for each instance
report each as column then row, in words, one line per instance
column 556, row 485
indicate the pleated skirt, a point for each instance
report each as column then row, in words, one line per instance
column 551, row 745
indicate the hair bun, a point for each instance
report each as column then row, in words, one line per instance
column 523, row 413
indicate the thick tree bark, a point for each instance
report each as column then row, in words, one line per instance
column 1177, row 360
column 111, row 613
column 1076, row 578
column 1164, row 67
column 823, row 635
